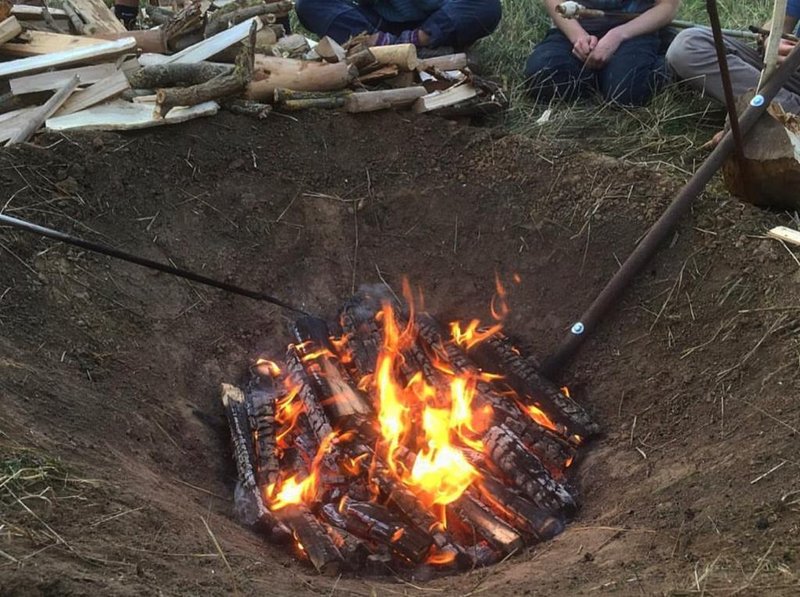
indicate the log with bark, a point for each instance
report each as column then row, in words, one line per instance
column 271, row 73
column 177, row 75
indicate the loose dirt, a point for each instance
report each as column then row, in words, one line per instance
column 109, row 372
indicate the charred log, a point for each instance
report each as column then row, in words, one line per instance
column 314, row 541
column 345, row 406
column 317, row 420
column 376, row 523
column 260, row 397
column 498, row 354
column 517, row 511
column 508, row 453
column 485, row 524
column 249, row 502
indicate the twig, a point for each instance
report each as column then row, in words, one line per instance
column 769, row 472
column 222, row 555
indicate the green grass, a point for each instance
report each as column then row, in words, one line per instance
column 667, row 133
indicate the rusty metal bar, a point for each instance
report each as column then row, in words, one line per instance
column 660, row 231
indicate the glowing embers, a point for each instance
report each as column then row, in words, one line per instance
column 396, row 445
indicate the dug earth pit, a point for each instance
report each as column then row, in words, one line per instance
column 112, row 371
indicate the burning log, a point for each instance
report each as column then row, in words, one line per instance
column 517, row 511
column 499, row 354
column 312, row 538
column 260, row 398
column 376, row 523
column 318, row 422
column 249, row 503
column 477, row 516
column 507, row 452
column 556, row 454
column 345, row 406
column 354, row 551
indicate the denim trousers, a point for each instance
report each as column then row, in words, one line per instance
column 458, row 23
column 635, row 72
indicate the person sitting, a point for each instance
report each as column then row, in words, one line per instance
column 425, row 23
column 619, row 58
column 693, row 58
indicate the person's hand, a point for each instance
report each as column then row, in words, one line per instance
column 784, row 49
column 583, row 46
column 604, row 50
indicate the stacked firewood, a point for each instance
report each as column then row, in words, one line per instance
column 77, row 67
column 313, row 471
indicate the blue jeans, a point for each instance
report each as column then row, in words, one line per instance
column 458, row 23
column 635, row 72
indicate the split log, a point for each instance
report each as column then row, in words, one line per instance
column 249, row 502
column 384, row 72
column 344, row 405
column 118, row 115
column 376, row 523
column 555, row 454
column 216, row 43
column 509, row 455
column 25, row 12
column 314, row 540
column 447, row 62
column 53, row 80
column 485, row 524
column 443, row 99
column 235, row 13
column 369, row 101
column 499, row 355
column 785, row 234
column 265, row 42
column 9, row 29
column 100, row 50
column 330, row 51
column 177, row 75
column 520, row 513
column 271, row 73
column 403, row 55
column 100, row 91
column 150, row 40
column 40, row 43
column 38, row 117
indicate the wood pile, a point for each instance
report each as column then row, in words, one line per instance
column 337, row 451
column 77, row 68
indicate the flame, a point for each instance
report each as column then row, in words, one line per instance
column 441, row 558
column 499, row 306
column 538, row 415
column 293, row 491
column 271, row 366
column 472, row 335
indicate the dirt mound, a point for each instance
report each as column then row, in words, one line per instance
column 113, row 370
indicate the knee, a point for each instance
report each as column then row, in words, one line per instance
column 306, row 11
column 683, row 51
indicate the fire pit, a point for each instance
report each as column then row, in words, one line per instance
column 387, row 442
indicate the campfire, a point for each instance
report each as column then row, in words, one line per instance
column 387, row 441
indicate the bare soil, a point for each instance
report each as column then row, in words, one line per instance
column 111, row 371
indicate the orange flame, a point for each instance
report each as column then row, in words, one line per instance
column 538, row 415
column 499, row 304
column 472, row 336
column 294, row 491
column 441, row 558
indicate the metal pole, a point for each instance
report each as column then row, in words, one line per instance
column 730, row 100
column 167, row 269
column 660, row 231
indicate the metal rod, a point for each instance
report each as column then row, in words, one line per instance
column 727, row 86
column 167, row 269
column 661, row 230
